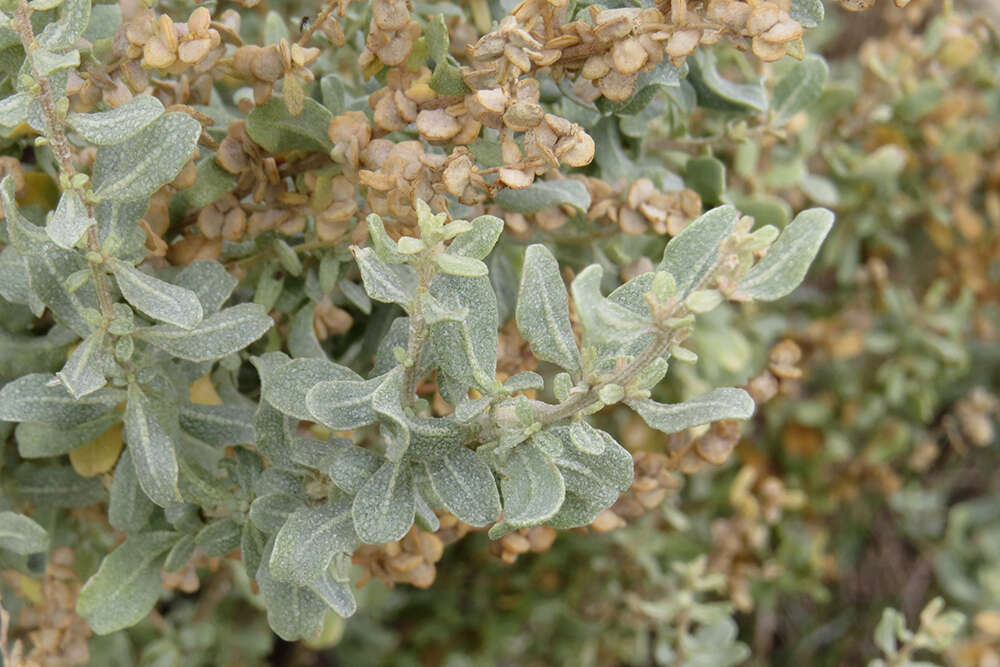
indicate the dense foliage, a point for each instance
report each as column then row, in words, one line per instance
column 322, row 313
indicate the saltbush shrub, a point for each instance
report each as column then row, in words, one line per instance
column 294, row 298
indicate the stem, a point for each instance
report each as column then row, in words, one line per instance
column 419, row 332
column 56, row 135
column 304, row 39
column 547, row 413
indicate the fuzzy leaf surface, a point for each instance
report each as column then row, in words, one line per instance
column 543, row 310
column 466, row 486
column 126, row 585
column 722, row 403
column 227, row 331
column 149, row 159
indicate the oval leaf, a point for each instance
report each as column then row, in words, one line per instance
column 723, row 403
column 140, row 165
column 787, row 261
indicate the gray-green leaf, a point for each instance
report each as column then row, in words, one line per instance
column 152, row 450
column 343, row 404
column 593, row 482
column 691, row 255
column 388, row 283
column 218, row 335
column 478, row 242
column 125, row 587
column 603, row 320
column 149, row 159
column 542, row 312
column 543, row 195
column 306, row 544
column 722, row 403
column 129, row 508
column 533, row 490
column 466, row 486
column 34, row 398
column 286, row 383
column 156, row 298
column 74, row 15
column 384, row 507
column 273, row 127
column 107, row 128
column 787, row 261
column 586, row 438
column 84, row 371
column 69, row 221
column 22, row 535
column 799, row 87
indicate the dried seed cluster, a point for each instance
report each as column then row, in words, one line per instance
column 606, row 54
column 412, row 559
column 58, row 636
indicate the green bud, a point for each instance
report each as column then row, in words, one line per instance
column 611, row 393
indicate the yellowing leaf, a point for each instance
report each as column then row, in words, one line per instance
column 98, row 456
column 203, row 392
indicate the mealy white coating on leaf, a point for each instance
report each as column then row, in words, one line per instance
column 55, row 486
column 74, row 15
column 586, row 438
column 32, row 397
column 126, row 585
column 722, row 403
column 210, row 281
column 270, row 511
column 337, row 595
column 106, row 128
column 179, row 554
column 388, row 283
column 543, row 195
column 478, row 242
column 387, row 402
column 293, row 612
column 144, row 162
column 219, row 425
column 524, row 380
column 735, row 96
column 156, row 298
column 384, row 507
column 593, row 482
column 83, row 372
column 21, row 534
column 809, row 13
column 48, row 268
column 466, row 486
column 14, row 109
column 460, row 265
column 691, row 255
column 129, row 508
column 219, row 537
column 152, row 450
column 351, row 465
column 533, row 490
column 787, row 261
column 286, row 382
column 69, row 221
column 305, row 545
column 801, row 85
column 542, row 311
column 38, row 440
column 46, row 62
column 603, row 320
column 467, row 350
column 343, row 404
column 218, row 335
